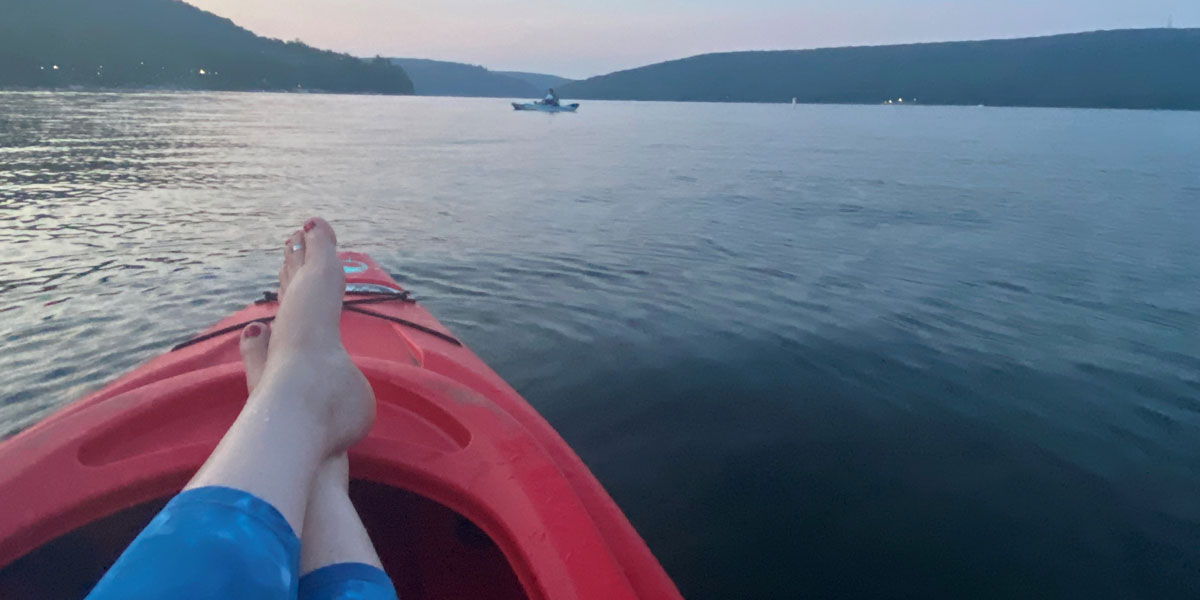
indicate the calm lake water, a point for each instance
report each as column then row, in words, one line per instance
column 822, row 351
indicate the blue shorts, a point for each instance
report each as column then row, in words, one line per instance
column 216, row 542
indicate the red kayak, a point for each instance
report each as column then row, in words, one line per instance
column 466, row 491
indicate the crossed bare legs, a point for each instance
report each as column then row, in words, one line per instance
column 308, row 403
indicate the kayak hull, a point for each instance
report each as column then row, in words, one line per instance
column 533, row 106
column 458, row 470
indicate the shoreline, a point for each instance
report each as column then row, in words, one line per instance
column 917, row 105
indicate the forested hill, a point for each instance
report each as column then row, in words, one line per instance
column 167, row 44
column 1133, row 68
column 540, row 81
column 443, row 78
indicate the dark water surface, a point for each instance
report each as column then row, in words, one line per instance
column 829, row 352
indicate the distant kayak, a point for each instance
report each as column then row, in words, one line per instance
column 545, row 107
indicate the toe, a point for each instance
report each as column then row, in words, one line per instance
column 319, row 239
column 294, row 252
column 253, row 346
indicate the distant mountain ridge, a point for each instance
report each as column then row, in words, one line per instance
column 1132, row 68
column 540, row 81
column 167, row 44
column 445, row 78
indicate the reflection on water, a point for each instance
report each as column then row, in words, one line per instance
column 823, row 351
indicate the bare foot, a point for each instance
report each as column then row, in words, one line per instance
column 305, row 359
column 255, row 343
column 309, row 402
column 333, row 532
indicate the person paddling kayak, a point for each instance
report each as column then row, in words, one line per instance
column 551, row 98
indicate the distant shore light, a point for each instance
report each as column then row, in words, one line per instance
column 202, row 72
column 55, row 67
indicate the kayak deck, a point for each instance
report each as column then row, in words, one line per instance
column 465, row 490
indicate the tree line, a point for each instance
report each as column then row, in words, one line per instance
column 168, row 44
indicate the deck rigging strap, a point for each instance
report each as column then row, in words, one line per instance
column 350, row 305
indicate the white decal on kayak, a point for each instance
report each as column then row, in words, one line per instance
column 351, row 266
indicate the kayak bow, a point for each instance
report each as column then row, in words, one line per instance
column 465, row 489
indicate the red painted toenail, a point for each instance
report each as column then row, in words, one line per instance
column 254, row 331
column 308, row 226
